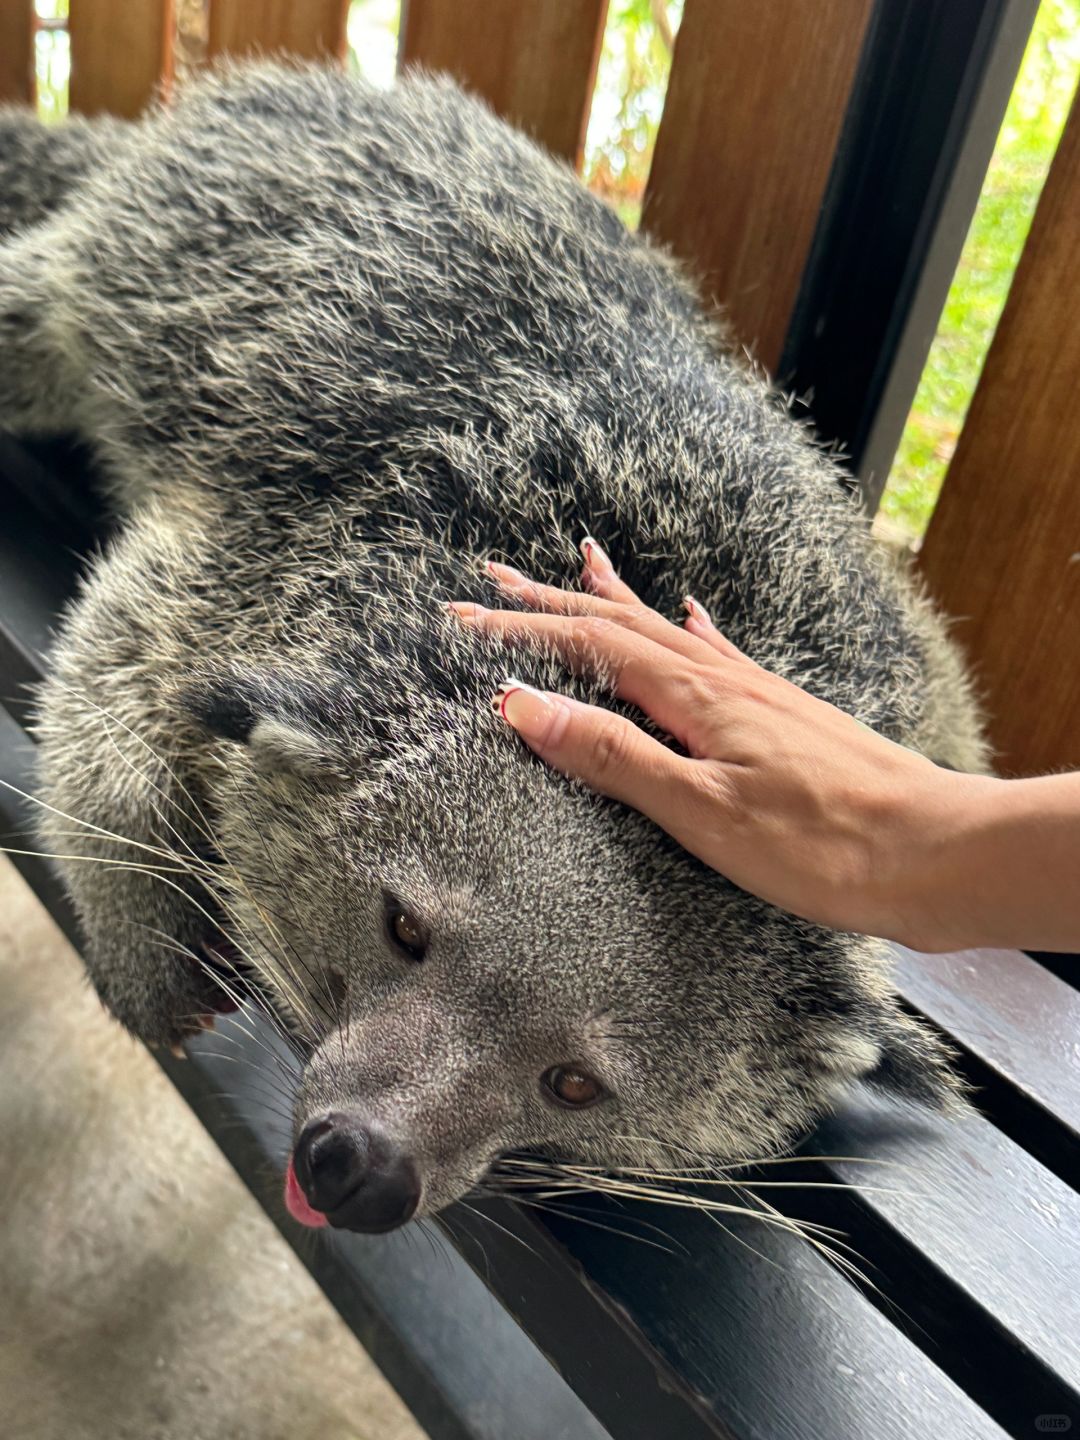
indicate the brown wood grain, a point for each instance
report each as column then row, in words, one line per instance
column 16, row 51
column 1011, row 1014
column 1002, row 553
column 534, row 63
column 121, row 52
column 757, row 95
column 311, row 29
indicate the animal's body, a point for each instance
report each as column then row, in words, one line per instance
column 330, row 347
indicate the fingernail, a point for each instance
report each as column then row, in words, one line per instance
column 529, row 711
column 596, row 558
column 696, row 610
column 507, row 575
column 465, row 610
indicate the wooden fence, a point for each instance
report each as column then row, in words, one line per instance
column 747, row 155
column 1003, row 550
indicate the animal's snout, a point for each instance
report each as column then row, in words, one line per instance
column 355, row 1174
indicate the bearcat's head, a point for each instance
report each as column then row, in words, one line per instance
column 478, row 956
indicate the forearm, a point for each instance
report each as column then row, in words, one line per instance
column 1003, row 868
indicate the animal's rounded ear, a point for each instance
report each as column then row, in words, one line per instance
column 282, row 747
column 286, row 722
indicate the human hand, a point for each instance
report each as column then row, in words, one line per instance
column 787, row 796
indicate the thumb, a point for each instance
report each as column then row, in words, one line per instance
column 606, row 751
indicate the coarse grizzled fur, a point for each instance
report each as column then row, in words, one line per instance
column 330, row 346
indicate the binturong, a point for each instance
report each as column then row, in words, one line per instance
column 330, row 348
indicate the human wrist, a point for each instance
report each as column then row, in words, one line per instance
column 933, row 877
column 1016, row 884
column 997, row 866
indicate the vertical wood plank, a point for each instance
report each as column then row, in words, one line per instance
column 309, row 29
column 754, row 107
column 1002, row 552
column 121, row 52
column 16, row 52
column 533, row 61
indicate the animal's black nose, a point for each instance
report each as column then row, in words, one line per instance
column 355, row 1174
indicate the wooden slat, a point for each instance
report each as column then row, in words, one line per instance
column 758, row 1324
column 535, row 63
column 971, row 1240
column 310, row 29
column 121, row 52
column 1003, row 550
column 16, row 51
column 754, row 107
column 1017, row 1025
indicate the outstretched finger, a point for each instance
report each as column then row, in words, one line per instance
column 673, row 690
column 600, row 578
column 599, row 575
column 552, row 600
column 539, row 596
column 699, row 623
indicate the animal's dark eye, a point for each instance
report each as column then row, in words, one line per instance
column 572, row 1087
column 406, row 931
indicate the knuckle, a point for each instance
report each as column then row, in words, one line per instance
column 597, row 629
column 535, row 595
column 701, row 688
column 635, row 614
column 717, row 789
column 569, row 602
column 611, row 751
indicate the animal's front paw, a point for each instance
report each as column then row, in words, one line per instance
column 165, row 989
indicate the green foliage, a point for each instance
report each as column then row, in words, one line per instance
column 1025, row 147
column 635, row 62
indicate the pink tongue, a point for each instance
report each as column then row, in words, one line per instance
column 296, row 1202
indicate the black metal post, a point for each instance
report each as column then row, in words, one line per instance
column 932, row 88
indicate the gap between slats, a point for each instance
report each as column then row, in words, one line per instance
column 755, row 103
column 975, row 1337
